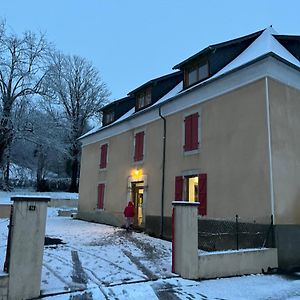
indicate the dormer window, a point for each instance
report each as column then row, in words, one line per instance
column 143, row 99
column 196, row 73
column 108, row 117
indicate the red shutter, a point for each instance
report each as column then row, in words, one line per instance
column 187, row 133
column 101, row 188
column 178, row 188
column 139, row 146
column 194, row 131
column 202, row 183
column 191, row 132
column 103, row 158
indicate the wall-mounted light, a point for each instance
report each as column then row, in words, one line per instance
column 137, row 174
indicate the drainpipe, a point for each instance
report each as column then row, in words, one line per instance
column 163, row 176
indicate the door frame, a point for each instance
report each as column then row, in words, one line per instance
column 130, row 196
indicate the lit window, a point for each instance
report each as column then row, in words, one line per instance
column 191, row 188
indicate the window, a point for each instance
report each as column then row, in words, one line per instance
column 108, row 117
column 191, row 137
column 139, row 146
column 103, row 156
column 196, row 73
column 143, row 98
column 192, row 189
column 101, row 189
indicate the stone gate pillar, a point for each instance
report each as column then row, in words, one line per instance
column 27, row 246
column 185, row 239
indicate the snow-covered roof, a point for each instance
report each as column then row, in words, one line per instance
column 264, row 44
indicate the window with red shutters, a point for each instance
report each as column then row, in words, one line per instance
column 101, row 189
column 202, row 187
column 191, row 139
column 103, row 156
column 178, row 188
column 139, row 146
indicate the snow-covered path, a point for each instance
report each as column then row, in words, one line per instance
column 103, row 262
column 101, row 255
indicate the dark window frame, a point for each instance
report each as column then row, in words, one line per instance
column 196, row 66
column 108, row 117
column 146, row 95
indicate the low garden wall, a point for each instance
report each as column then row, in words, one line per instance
column 4, row 211
column 190, row 263
column 63, row 203
column 236, row 262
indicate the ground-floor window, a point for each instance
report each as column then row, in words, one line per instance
column 192, row 188
column 101, row 190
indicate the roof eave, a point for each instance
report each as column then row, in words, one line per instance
column 199, row 85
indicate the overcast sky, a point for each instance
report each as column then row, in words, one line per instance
column 133, row 41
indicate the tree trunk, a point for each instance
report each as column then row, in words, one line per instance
column 6, row 136
column 74, row 168
column 40, row 181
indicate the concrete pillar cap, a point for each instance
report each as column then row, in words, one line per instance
column 185, row 203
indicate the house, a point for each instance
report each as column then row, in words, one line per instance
column 224, row 130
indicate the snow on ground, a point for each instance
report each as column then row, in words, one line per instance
column 103, row 262
column 5, row 196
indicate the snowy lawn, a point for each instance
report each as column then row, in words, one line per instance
column 5, row 196
column 103, row 262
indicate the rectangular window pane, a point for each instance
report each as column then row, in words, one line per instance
column 192, row 76
column 148, row 97
column 141, row 100
column 193, row 189
column 203, row 71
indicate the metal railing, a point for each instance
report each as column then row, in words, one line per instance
column 217, row 235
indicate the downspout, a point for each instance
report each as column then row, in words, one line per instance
column 270, row 150
column 163, row 175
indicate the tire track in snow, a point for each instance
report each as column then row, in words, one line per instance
column 96, row 280
column 106, row 260
column 67, row 284
column 68, row 263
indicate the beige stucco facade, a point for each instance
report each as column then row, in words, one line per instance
column 249, row 136
column 233, row 153
column 285, row 134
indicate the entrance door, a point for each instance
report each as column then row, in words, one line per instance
column 138, row 200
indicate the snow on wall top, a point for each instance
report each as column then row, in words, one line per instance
column 264, row 44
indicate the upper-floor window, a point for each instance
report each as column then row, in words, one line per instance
column 191, row 132
column 139, row 146
column 143, row 98
column 108, row 117
column 103, row 156
column 196, row 73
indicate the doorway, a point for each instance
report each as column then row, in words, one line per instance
column 138, row 200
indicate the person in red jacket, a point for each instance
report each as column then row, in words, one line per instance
column 129, row 214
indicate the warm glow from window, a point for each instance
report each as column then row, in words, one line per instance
column 137, row 174
column 191, row 188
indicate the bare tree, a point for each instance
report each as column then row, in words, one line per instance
column 22, row 68
column 76, row 94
